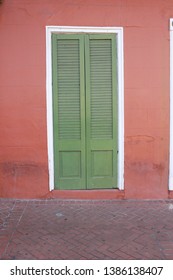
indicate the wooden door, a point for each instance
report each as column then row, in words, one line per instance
column 101, row 104
column 85, row 111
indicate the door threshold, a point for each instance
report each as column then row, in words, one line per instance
column 87, row 194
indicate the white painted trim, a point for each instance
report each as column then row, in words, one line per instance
column 171, row 109
column 120, row 109
column 171, row 24
column 72, row 29
column 49, row 109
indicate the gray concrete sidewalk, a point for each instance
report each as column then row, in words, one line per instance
column 88, row 229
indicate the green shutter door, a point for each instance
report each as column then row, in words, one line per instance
column 101, row 98
column 69, row 111
column 85, row 111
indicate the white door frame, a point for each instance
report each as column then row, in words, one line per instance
column 171, row 109
column 72, row 29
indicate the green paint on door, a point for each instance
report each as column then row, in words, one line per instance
column 85, row 110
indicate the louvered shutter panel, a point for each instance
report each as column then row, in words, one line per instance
column 69, row 111
column 101, row 98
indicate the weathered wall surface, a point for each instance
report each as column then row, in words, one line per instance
column 23, row 138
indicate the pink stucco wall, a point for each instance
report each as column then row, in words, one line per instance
column 23, row 128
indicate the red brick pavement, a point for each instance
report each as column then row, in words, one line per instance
column 88, row 229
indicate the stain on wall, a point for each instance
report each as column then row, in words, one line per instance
column 18, row 169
